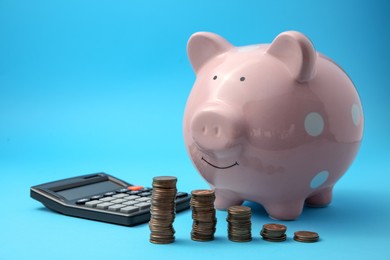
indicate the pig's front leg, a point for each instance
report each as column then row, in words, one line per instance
column 285, row 210
column 321, row 199
column 225, row 199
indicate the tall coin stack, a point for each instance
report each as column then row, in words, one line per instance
column 239, row 224
column 162, row 210
column 274, row 232
column 203, row 215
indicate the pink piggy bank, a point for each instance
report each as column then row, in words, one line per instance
column 277, row 124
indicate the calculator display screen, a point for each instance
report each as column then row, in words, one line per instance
column 89, row 190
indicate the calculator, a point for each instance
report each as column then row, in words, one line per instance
column 101, row 197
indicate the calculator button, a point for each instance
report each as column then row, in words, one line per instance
column 147, row 189
column 96, row 197
column 134, row 192
column 116, row 207
column 117, row 201
column 104, row 205
column 82, row 201
column 109, row 193
column 135, row 187
column 143, row 199
column 118, row 196
column 145, row 194
column 107, row 199
column 132, row 197
column 92, row 203
column 143, row 205
column 181, row 194
column 122, row 190
column 129, row 209
column 130, row 202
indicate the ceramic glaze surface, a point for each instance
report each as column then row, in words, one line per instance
column 277, row 124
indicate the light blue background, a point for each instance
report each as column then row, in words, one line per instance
column 88, row 86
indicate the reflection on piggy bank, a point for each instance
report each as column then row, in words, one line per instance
column 277, row 124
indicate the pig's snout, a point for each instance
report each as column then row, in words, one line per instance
column 216, row 128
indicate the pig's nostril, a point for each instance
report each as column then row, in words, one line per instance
column 216, row 130
column 204, row 129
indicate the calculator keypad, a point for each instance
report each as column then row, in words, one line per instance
column 116, row 207
column 127, row 202
column 92, row 203
column 117, row 201
column 120, row 195
column 132, row 197
column 107, row 199
column 129, row 209
column 104, row 205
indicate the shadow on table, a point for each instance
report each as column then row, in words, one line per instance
column 350, row 210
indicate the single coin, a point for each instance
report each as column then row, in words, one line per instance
column 306, row 236
column 239, row 209
column 164, row 178
column 164, row 182
column 203, row 193
column 275, row 227
column 274, row 239
column 273, row 231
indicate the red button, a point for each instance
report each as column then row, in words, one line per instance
column 135, row 187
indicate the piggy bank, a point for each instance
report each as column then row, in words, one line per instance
column 277, row 124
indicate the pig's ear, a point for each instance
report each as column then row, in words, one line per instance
column 203, row 46
column 297, row 52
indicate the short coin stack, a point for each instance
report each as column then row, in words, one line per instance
column 203, row 215
column 306, row 236
column 239, row 224
column 162, row 210
column 274, row 232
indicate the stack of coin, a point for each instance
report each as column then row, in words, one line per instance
column 274, row 232
column 203, row 215
column 162, row 210
column 239, row 224
column 306, row 236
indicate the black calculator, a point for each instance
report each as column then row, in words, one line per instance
column 101, row 197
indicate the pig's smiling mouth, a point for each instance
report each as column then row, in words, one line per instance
column 218, row 167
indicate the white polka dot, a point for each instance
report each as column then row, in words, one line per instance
column 355, row 111
column 319, row 179
column 314, row 124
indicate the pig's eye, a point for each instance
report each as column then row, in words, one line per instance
column 242, row 78
column 215, row 77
